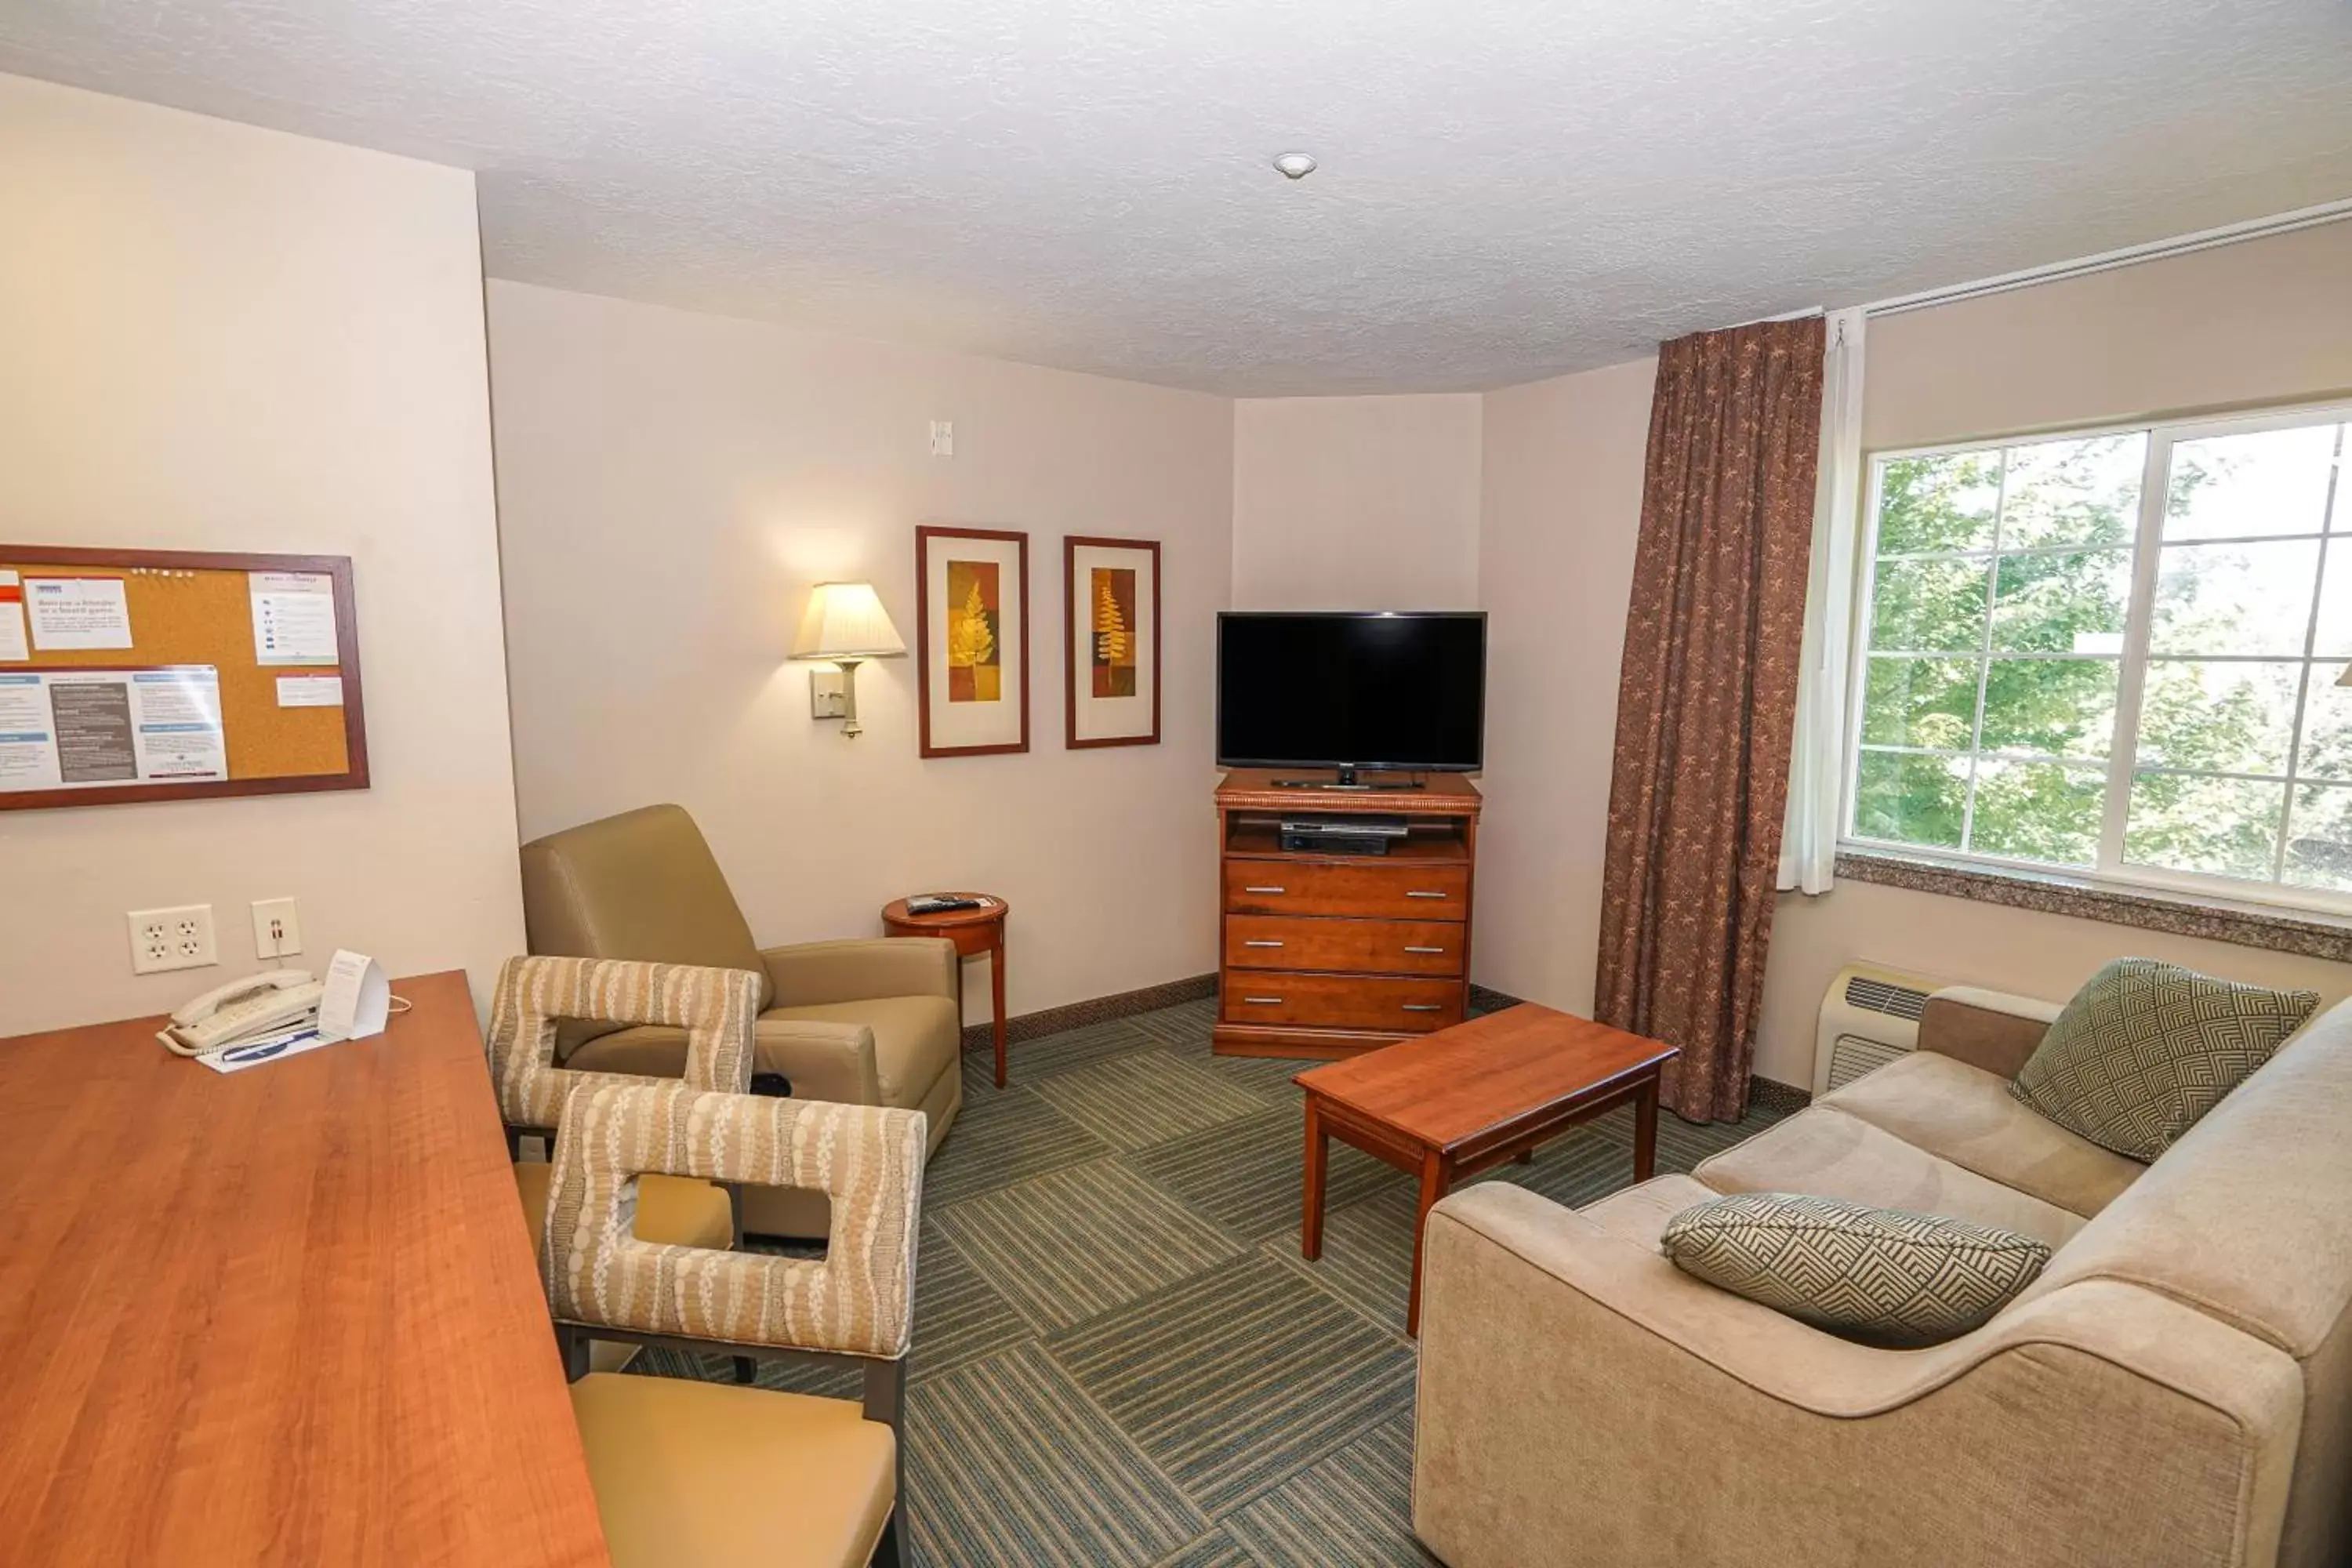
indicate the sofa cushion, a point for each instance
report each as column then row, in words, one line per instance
column 1886, row 1276
column 2146, row 1047
column 1824, row 1151
column 1966, row 1115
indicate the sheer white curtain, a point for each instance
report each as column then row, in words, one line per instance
column 1817, row 762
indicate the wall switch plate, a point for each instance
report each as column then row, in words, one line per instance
column 828, row 694
column 942, row 439
column 178, row 937
column 276, row 933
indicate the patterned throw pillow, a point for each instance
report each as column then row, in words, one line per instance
column 1885, row 1275
column 2145, row 1049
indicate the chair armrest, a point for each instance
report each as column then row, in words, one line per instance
column 710, row 1011
column 1988, row 1029
column 812, row 974
column 823, row 1061
column 1575, row 1385
column 868, row 1160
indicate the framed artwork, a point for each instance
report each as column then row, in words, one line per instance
column 971, row 639
column 1110, row 597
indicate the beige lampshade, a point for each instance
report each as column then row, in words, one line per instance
column 846, row 620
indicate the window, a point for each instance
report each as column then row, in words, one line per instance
column 2116, row 652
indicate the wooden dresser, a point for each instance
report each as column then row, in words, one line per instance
column 1325, row 955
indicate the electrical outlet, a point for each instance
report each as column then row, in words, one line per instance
column 178, row 937
column 276, row 933
column 942, row 439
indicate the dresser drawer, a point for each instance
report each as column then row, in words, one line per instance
column 1401, row 890
column 1357, row 947
column 1340, row 1001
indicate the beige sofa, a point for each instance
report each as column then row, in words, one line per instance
column 2176, row 1388
column 870, row 1021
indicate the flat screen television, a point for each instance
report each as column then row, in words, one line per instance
column 1402, row 691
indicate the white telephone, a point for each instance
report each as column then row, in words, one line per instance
column 280, row 1001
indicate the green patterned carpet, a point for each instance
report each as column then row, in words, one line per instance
column 1119, row 1357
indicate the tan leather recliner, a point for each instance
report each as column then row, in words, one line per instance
column 868, row 1022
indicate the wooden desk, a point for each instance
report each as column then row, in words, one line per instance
column 286, row 1315
column 1453, row 1103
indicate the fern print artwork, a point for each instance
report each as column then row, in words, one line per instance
column 975, row 666
column 1114, row 631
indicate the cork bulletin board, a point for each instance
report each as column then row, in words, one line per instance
column 130, row 675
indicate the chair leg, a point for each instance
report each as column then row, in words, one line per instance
column 885, row 1401
column 574, row 1346
column 890, row 1551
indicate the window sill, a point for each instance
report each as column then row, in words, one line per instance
column 2310, row 935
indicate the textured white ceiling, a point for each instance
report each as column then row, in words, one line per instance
column 1508, row 190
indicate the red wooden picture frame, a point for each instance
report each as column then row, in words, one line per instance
column 1071, row 545
column 923, row 537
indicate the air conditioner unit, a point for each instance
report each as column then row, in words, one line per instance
column 1870, row 1016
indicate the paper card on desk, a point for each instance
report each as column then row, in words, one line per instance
column 78, row 612
column 309, row 691
column 257, row 1053
column 12, row 646
column 358, row 998
column 293, row 618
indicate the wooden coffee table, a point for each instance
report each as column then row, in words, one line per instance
column 1455, row 1102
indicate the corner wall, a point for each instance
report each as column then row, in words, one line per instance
column 1357, row 503
column 223, row 338
column 671, row 484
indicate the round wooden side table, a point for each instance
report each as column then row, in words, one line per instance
column 973, row 932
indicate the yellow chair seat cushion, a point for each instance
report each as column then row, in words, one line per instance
column 676, row 1211
column 715, row 1474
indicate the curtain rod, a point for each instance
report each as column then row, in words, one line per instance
column 2105, row 261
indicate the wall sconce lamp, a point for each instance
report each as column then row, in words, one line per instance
column 845, row 625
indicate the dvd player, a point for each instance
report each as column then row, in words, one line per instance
column 1341, row 835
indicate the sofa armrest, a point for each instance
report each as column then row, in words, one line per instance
column 1988, row 1029
column 1576, row 1386
column 812, row 974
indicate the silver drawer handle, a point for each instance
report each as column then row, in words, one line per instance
column 1262, row 1001
column 1252, row 941
column 1415, row 893
column 1265, row 889
column 1422, row 1007
column 1436, row 949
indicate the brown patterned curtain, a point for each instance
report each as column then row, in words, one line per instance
column 1707, row 701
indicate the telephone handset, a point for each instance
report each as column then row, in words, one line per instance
column 278, row 1001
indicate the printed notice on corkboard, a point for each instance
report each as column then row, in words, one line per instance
column 164, row 675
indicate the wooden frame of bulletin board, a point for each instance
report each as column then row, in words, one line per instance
column 176, row 674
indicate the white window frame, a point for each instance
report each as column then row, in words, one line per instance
column 2110, row 869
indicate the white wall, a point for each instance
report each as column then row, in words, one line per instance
column 670, row 485
column 1562, row 506
column 213, row 337
column 1356, row 503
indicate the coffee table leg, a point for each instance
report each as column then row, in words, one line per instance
column 1434, row 1178
column 1645, row 1130
column 1310, row 1222
column 996, row 995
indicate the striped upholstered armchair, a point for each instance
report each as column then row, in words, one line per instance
column 687, row 1471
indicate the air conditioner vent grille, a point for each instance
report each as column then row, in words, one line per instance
column 1853, row 1057
column 1878, row 996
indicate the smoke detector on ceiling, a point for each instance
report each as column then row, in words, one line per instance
column 1295, row 165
